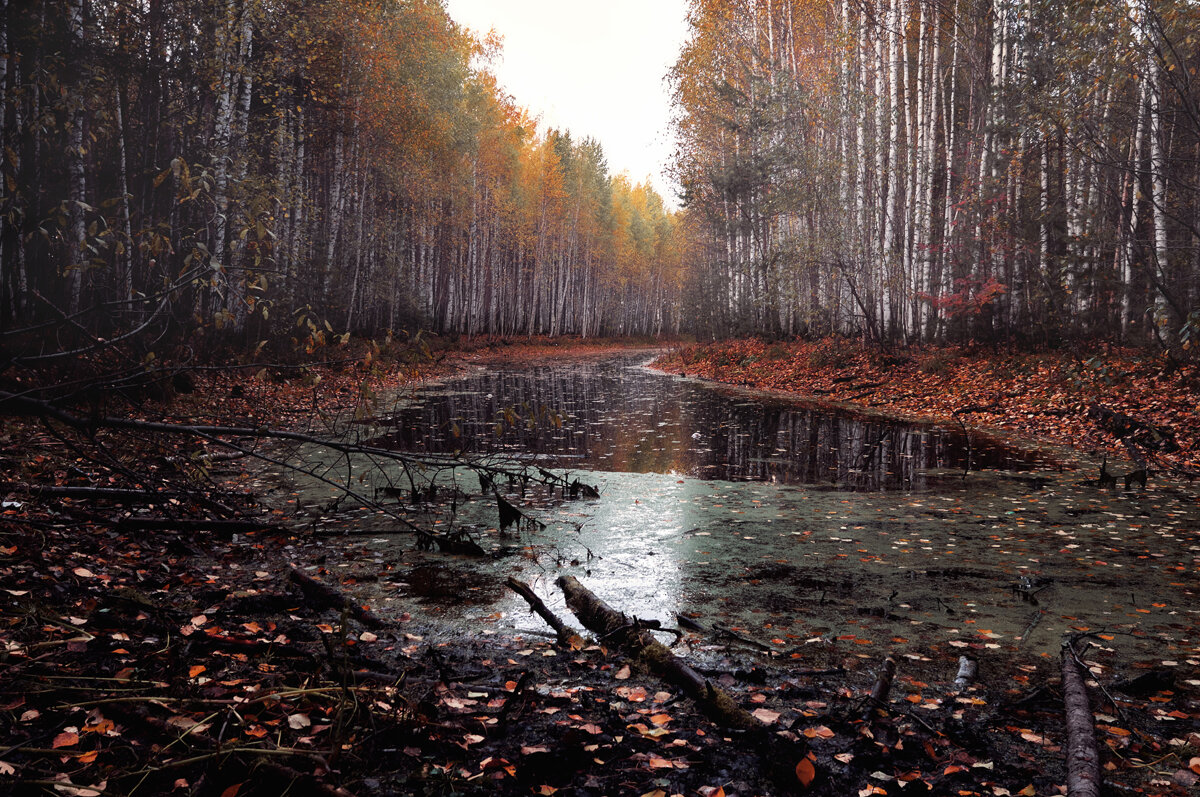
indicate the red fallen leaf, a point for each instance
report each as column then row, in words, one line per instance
column 65, row 739
column 805, row 772
column 634, row 694
column 195, row 670
column 257, row 731
column 232, row 790
column 712, row 791
column 660, row 719
column 820, row 731
column 102, row 727
column 622, row 673
column 660, row 763
column 1194, row 765
column 88, row 757
column 649, row 733
column 493, row 764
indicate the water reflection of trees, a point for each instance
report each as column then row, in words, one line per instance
column 607, row 417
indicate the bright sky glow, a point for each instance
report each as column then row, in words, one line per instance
column 594, row 67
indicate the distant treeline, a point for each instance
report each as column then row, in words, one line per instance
column 297, row 168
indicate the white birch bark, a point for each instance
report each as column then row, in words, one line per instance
column 77, row 259
column 1158, row 181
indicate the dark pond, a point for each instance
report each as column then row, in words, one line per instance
column 617, row 415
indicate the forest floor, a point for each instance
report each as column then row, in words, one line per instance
column 145, row 652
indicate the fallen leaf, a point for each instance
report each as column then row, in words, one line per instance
column 298, row 721
column 765, row 715
column 195, row 670
column 65, row 739
column 622, row 673
column 805, row 772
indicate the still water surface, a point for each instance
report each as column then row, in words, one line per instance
column 620, row 416
column 793, row 522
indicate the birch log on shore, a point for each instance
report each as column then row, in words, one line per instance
column 561, row 630
column 1083, row 762
column 599, row 617
column 322, row 595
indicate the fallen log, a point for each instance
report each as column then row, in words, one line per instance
column 1083, row 762
column 881, row 689
column 85, row 493
column 1130, row 430
column 192, row 524
column 723, row 631
column 968, row 669
column 563, row 633
column 599, row 617
column 325, row 596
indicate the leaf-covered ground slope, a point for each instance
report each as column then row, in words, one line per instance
column 1035, row 397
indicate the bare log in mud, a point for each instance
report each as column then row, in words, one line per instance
column 1083, row 762
column 86, row 493
column 968, row 670
column 192, row 524
column 1133, row 432
column 561, row 629
column 322, row 595
column 599, row 617
column 882, row 688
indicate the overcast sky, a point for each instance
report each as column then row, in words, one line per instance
column 595, row 67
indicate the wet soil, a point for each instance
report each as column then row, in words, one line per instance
column 189, row 663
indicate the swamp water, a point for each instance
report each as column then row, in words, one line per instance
column 796, row 525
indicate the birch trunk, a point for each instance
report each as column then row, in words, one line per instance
column 77, row 260
column 1158, row 180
